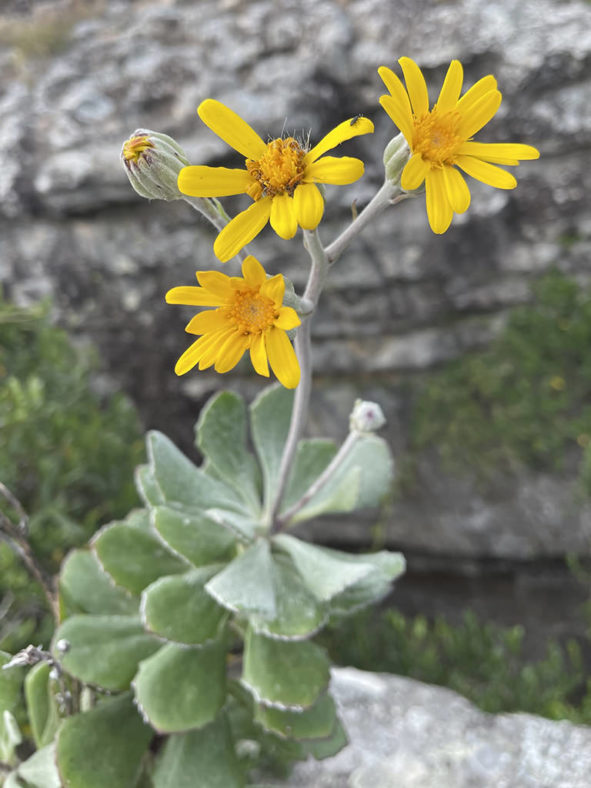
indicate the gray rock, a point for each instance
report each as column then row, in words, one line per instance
column 404, row 734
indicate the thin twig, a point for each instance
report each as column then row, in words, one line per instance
column 17, row 535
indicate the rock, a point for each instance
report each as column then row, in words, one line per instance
column 405, row 734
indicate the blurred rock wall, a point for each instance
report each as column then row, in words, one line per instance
column 76, row 78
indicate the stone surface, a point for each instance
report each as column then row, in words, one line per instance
column 401, row 300
column 404, row 734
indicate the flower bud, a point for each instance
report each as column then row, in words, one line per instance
column 152, row 162
column 396, row 154
column 366, row 417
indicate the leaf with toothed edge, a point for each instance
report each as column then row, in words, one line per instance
column 104, row 650
column 317, row 722
column 242, row 526
column 371, row 588
column 246, row 584
column 194, row 535
column 179, row 609
column 103, row 747
column 289, row 675
column 221, row 437
column 182, row 687
column 85, row 587
column 134, row 557
column 147, row 486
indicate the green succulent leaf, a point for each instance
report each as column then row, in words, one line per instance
column 194, row 535
column 11, row 682
column 38, row 771
column 286, row 674
column 182, row 687
column 311, row 459
column 371, row 588
column 317, row 722
column 86, row 588
column 104, row 650
column 134, row 557
column 246, row 585
column 221, row 436
column 179, row 609
column 243, row 527
column 208, row 753
column 326, row 572
column 270, row 414
column 329, row 747
column 103, row 747
column 182, row 483
column 299, row 614
column 42, row 708
column 147, row 486
column 339, row 495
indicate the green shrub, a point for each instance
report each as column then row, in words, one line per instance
column 526, row 399
column 483, row 662
column 66, row 453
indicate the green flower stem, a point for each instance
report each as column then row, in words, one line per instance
column 388, row 194
column 213, row 211
column 316, row 280
column 318, row 484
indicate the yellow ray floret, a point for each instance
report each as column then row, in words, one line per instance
column 440, row 138
column 248, row 315
column 280, row 176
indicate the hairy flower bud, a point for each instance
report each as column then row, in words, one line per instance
column 152, row 162
column 396, row 155
column 366, row 417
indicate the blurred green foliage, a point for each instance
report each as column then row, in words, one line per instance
column 484, row 662
column 66, row 453
column 524, row 400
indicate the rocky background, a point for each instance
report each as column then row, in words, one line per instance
column 77, row 77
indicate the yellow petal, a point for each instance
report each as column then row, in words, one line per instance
column 338, row 170
column 283, row 217
column 217, row 283
column 231, row 352
column 399, row 116
column 282, row 357
column 189, row 358
column 479, row 113
column 452, row 87
column 253, row 272
column 231, row 128
column 499, row 151
column 456, row 189
column 287, row 319
column 242, row 229
column 207, row 322
column 476, row 92
column 414, row 172
column 192, row 296
column 439, row 210
column 344, row 131
column 212, row 344
column 487, row 173
column 415, row 85
column 274, row 288
column 309, row 205
column 202, row 181
column 258, row 355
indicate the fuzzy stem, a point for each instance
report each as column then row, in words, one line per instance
column 385, row 196
column 316, row 279
column 320, row 482
column 213, row 211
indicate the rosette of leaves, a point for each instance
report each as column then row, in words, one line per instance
column 190, row 623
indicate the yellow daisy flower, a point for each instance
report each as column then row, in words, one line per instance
column 249, row 315
column 280, row 176
column 441, row 139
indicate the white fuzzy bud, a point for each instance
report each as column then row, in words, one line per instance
column 396, row 155
column 366, row 417
column 152, row 162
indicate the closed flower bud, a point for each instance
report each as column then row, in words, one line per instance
column 366, row 417
column 396, row 155
column 152, row 162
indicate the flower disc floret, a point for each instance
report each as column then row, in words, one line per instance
column 440, row 139
column 248, row 315
column 280, row 176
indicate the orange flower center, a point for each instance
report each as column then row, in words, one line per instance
column 251, row 312
column 135, row 146
column 280, row 169
column 436, row 136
